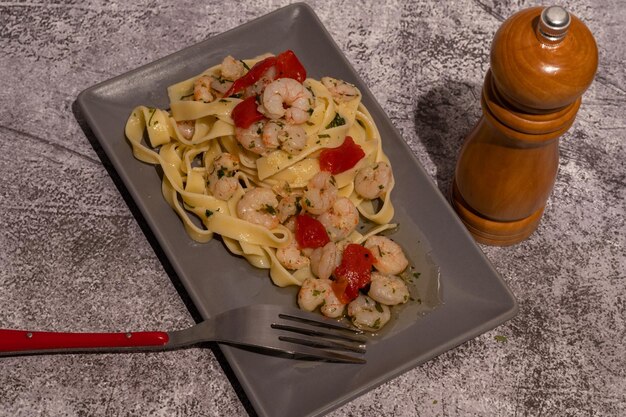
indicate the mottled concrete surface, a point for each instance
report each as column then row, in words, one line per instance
column 73, row 256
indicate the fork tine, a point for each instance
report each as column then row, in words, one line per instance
column 313, row 332
column 320, row 329
column 323, row 344
column 320, row 323
column 306, row 352
column 259, row 327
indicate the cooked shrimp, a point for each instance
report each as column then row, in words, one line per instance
column 332, row 306
column 285, row 136
column 325, row 260
column 321, row 193
column 367, row 314
column 186, row 128
column 388, row 289
column 319, row 292
column 202, row 89
column 290, row 256
column 232, row 68
column 388, row 255
column 225, row 165
column 258, row 206
column 282, row 188
column 291, row 224
column 222, row 182
column 250, row 138
column 289, row 206
column 221, row 85
column 312, row 293
column 341, row 246
column 224, row 188
column 373, row 181
column 270, row 133
column 258, row 87
column 340, row 90
column 341, row 219
column 287, row 97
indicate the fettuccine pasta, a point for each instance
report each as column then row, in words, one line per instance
column 260, row 155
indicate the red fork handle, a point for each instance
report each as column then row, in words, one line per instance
column 22, row 341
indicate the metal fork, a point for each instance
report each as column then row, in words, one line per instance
column 264, row 328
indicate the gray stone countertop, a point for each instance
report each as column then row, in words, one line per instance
column 73, row 256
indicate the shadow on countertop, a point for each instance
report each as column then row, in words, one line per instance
column 167, row 266
column 443, row 116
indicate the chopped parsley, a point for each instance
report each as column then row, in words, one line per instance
column 337, row 121
column 298, row 205
column 152, row 111
column 323, row 136
column 245, row 65
column 268, row 209
column 501, row 339
column 208, row 213
column 379, row 307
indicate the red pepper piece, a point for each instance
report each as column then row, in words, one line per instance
column 252, row 76
column 342, row 158
column 289, row 66
column 246, row 113
column 310, row 233
column 354, row 273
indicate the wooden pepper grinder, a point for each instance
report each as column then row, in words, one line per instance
column 542, row 60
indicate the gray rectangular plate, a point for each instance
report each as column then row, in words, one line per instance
column 475, row 299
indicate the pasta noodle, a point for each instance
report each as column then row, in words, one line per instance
column 188, row 139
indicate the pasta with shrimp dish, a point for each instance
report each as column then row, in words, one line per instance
column 290, row 172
